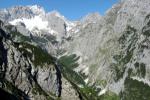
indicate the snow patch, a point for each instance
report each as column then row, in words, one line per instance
column 37, row 9
column 34, row 23
column 82, row 68
column 70, row 25
column 86, row 70
column 86, row 80
column 102, row 92
column 81, row 86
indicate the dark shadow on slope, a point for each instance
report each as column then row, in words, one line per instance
column 3, row 57
column 59, row 79
column 7, row 96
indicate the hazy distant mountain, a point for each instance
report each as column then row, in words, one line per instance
column 45, row 56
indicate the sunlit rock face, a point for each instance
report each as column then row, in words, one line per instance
column 110, row 48
column 95, row 58
column 26, row 70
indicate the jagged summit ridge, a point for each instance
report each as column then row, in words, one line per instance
column 106, row 56
column 91, row 17
column 37, row 9
column 52, row 23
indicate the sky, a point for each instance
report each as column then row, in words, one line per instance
column 71, row 9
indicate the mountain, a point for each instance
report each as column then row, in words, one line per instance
column 50, row 23
column 111, row 48
column 95, row 58
column 27, row 71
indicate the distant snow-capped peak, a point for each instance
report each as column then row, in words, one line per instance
column 37, row 9
column 41, row 22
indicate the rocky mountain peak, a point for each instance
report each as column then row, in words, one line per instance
column 99, row 57
column 37, row 9
column 91, row 17
column 56, row 14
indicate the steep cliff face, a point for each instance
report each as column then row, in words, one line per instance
column 48, row 23
column 21, row 69
column 97, row 58
column 26, row 71
column 110, row 49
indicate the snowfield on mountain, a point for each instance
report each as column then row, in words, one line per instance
column 45, row 56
